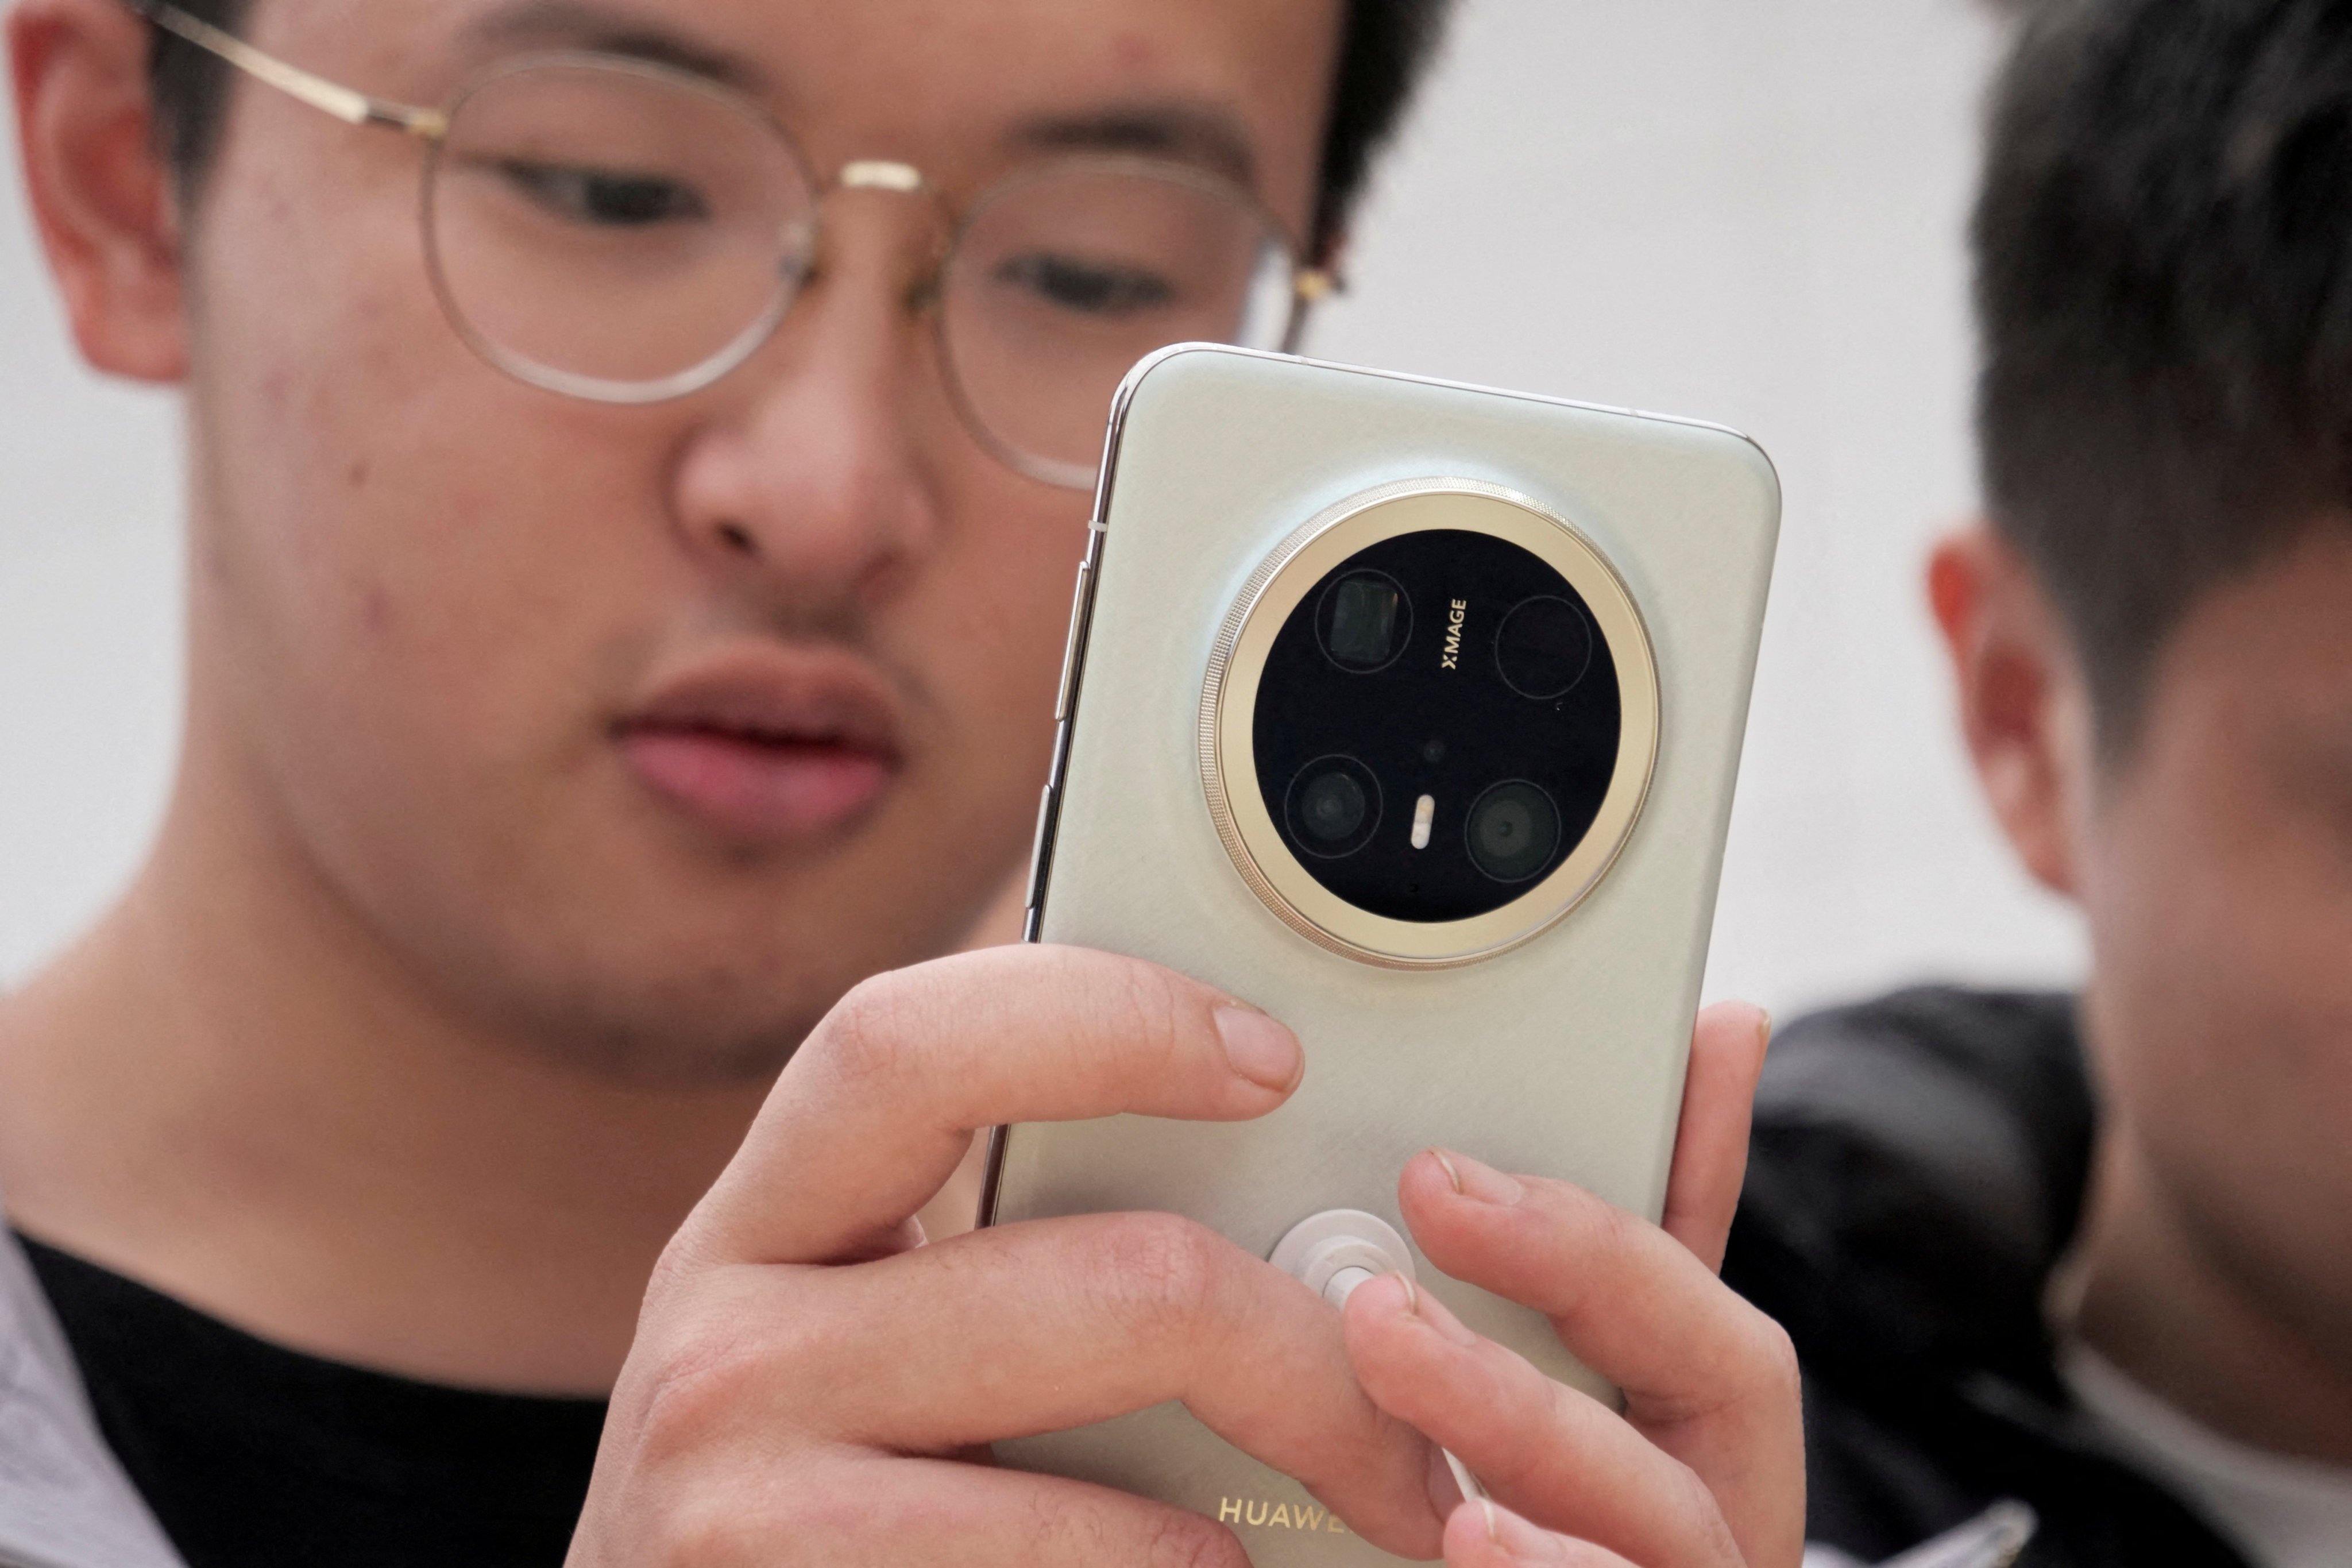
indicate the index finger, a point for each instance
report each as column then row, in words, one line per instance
column 1726, row 1055
column 882, row 1099
column 1707, row 1377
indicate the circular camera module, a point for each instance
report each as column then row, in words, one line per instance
column 1362, row 705
column 1333, row 807
column 1514, row 831
column 1429, row 724
column 1364, row 621
column 1543, row 647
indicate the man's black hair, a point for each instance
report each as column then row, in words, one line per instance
column 2164, row 285
column 1385, row 50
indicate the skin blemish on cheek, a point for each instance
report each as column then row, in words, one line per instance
column 375, row 610
column 214, row 556
column 1132, row 51
column 277, row 203
column 356, row 476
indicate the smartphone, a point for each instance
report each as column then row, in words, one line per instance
column 1410, row 713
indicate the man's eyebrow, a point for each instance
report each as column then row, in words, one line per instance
column 580, row 24
column 1188, row 133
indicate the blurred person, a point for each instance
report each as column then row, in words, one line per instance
column 636, row 466
column 2094, row 1253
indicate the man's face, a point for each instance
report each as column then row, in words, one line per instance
column 650, row 730
column 2216, row 871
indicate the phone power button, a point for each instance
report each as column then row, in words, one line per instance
column 1037, row 848
column 1070, row 648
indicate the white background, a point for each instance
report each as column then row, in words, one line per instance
column 1750, row 211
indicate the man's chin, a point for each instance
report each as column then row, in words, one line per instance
column 657, row 964
column 665, row 1055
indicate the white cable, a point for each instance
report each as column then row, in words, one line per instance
column 1336, row 1290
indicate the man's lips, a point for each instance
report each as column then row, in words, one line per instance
column 751, row 788
column 767, row 749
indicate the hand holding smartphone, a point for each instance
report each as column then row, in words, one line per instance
column 808, row 1385
column 1410, row 713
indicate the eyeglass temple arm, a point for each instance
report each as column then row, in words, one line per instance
column 347, row 104
column 1309, row 286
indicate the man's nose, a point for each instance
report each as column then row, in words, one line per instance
column 815, row 488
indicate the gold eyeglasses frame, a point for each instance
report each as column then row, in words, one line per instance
column 1309, row 284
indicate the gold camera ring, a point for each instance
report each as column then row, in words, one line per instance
column 1237, row 666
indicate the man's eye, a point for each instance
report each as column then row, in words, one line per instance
column 610, row 198
column 1097, row 289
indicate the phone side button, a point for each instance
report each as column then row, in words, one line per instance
column 1070, row 648
column 1037, row 850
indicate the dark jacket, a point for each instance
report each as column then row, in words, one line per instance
column 1918, row 1167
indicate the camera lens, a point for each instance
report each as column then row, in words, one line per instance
column 1514, row 830
column 1543, row 647
column 1334, row 807
column 1364, row 621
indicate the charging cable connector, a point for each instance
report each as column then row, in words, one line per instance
column 1334, row 1252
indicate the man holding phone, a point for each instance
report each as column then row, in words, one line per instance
column 636, row 461
column 2097, row 1255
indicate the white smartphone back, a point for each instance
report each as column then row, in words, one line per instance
column 1563, row 1055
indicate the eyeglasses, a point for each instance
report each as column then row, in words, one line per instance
column 619, row 230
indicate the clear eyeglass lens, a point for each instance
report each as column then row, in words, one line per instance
column 616, row 232
column 1061, row 279
column 621, row 233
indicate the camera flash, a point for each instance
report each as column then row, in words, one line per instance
column 1424, row 813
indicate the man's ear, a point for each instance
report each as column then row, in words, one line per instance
column 102, row 197
column 2022, row 707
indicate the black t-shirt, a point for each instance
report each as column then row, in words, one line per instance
column 254, row 1456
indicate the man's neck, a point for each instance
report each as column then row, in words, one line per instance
column 231, row 1092
column 2159, row 1303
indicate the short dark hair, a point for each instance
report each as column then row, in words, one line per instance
column 2164, row 286
column 1386, row 48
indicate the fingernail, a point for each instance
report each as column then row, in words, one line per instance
column 1764, row 1028
column 1446, row 1494
column 1260, row 1049
column 1519, row 1541
column 1432, row 1316
column 1481, row 1184
column 1446, row 1160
